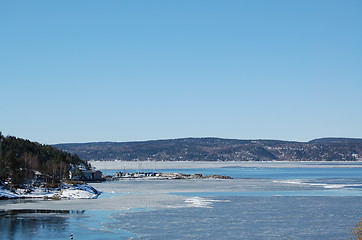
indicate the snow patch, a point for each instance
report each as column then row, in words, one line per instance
column 4, row 193
column 201, row 202
column 79, row 191
column 323, row 185
column 76, row 194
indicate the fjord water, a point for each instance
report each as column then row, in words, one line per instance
column 259, row 203
column 266, row 172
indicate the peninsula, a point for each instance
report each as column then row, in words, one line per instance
column 33, row 170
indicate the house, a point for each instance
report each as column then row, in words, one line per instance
column 92, row 175
column 86, row 175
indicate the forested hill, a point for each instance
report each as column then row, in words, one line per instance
column 22, row 160
column 216, row 149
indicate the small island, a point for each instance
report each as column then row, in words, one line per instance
column 162, row 176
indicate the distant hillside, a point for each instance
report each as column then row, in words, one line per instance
column 217, row 149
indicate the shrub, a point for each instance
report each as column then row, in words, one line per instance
column 357, row 230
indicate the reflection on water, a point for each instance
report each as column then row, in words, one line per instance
column 289, row 203
column 56, row 224
column 32, row 224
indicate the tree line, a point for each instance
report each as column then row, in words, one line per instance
column 22, row 160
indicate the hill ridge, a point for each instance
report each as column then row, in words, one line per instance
column 220, row 149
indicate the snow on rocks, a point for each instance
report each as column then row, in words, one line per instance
column 78, row 191
column 76, row 194
column 7, row 194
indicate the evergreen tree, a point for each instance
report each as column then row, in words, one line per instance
column 20, row 159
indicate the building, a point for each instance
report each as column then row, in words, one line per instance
column 86, row 175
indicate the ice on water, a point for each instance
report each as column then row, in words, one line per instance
column 321, row 204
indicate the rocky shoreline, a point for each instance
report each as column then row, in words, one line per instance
column 65, row 191
column 163, row 176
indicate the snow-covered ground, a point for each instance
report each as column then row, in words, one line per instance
column 76, row 194
column 79, row 191
column 4, row 193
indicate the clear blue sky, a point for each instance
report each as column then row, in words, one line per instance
column 81, row 71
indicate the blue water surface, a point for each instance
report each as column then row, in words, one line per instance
column 291, row 213
column 268, row 173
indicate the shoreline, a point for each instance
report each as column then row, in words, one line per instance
column 127, row 195
column 65, row 191
column 141, row 165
